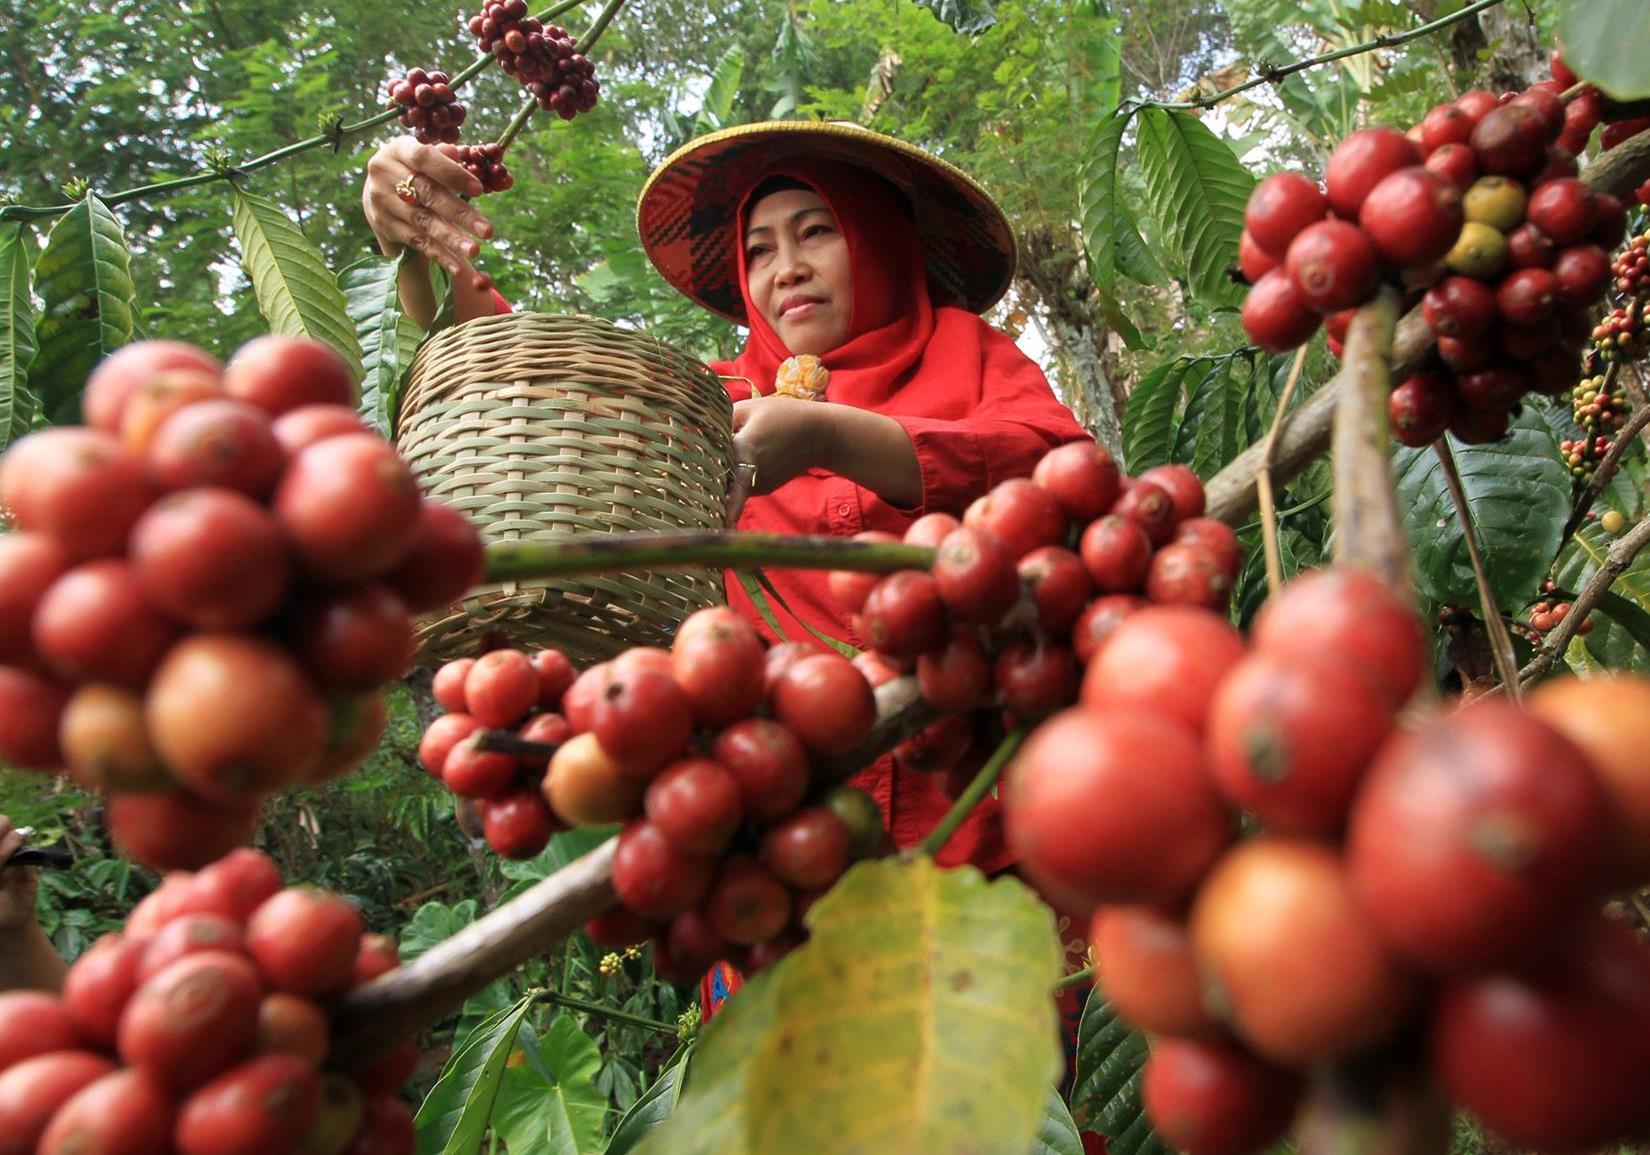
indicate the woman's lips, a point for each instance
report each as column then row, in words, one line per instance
column 796, row 311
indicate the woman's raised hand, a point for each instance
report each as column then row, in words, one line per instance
column 412, row 198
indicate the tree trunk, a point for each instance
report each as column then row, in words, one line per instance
column 1520, row 59
column 1070, row 320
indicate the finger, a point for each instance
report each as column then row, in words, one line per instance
column 737, row 493
column 441, row 167
column 10, row 843
column 446, row 204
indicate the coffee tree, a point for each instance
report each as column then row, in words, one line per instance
column 1320, row 891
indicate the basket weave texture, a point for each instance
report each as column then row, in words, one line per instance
column 538, row 426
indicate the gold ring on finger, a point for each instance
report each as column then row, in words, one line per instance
column 404, row 189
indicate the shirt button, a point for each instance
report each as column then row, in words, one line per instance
column 843, row 509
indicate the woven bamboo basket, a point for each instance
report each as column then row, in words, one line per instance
column 539, row 426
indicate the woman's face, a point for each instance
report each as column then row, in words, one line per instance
column 796, row 265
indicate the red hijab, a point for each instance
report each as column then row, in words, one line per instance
column 896, row 335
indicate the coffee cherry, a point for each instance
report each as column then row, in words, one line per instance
column 1495, row 201
column 1478, row 251
column 1563, row 209
column 1459, row 307
column 1254, row 262
column 1274, row 315
column 1494, row 390
column 428, row 106
column 1445, row 125
column 1420, row 409
column 1282, row 206
column 1582, row 273
column 1527, row 296
column 1530, row 248
column 1511, row 141
column 1456, row 164
column 1479, row 426
column 1412, row 217
column 1362, row 161
column 1333, row 266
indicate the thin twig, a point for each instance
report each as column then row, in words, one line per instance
column 971, row 797
column 1616, row 560
column 1075, row 979
column 509, row 742
column 1263, row 480
column 517, row 122
column 1273, row 75
column 334, row 137
column 1501, row 647
column 599, row 553
column 588, row 40
column 617, row 1016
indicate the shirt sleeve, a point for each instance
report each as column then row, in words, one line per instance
column 1017, row 421
column 500, row 305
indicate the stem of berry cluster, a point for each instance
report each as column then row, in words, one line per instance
column 1620, row 556
column 517, row 122
column 594, row 33
column 1501, row 645
column 1263, row 480
column 335, row 137
column 618, row 1016
column 1075, row 979
column 604, row 553
column 972, row 796
column 1271, row 75
column 1368, row 529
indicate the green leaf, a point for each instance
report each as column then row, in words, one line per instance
column 1212, row 429
column 1110, row 236
column 916, row 1018
column 1198, row 190
column 1519, row 494
column 374, row 307
column 969, row 17
column 1148, row 418
column 1604, row 44
column 723, row 90
column 1620, row 637
column 17, row 347
column 296, row 293
column 84, row 280
column 454, row 1117
column 653, row 1108
column 772, row 591
column 1105, row 1094
column 564, row 848
column 1058, row 1134
column 562, row 1115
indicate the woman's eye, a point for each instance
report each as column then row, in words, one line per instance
column 755, row 251
column 815, row 230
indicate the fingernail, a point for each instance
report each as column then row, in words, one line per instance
column 485, row 227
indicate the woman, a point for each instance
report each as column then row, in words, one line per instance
column 28, row 961
column 831, row 240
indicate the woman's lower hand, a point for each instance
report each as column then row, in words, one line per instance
column 775, row 439
column 413, row 200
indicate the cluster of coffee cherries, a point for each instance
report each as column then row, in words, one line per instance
column 703, row 751
column 1479, row 206
column 1599, row 408
column 543, row 58
column 197, row 1029
column 1285, row 815
column 486, row 164
column 1545, row 615
column 1027, row 585
column 208, row 585
column 428, row 106
column 1619, row 336
column 1588, row 109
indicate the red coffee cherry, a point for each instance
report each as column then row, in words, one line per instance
column 1459, row 307
column 1279, row 208
column 1275, row 316
column 1412, row 217
column 1333, row 266
column 1563, row 209
column 1527, row 296
column 1419, row 410
column 1254, row 262
column 1511, row 141
column 1362, row 161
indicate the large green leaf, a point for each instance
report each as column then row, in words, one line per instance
column 1198, row 190
column 966, row 16
column 296, row 293
column 1212, row 431
column 653, row 1108
column 916, row 1018
column 1105, row 1096
column 1519, row 493
column 1620, row 637
column 374, row 306
column 84, row 281
column 1604, row 44
column 455, row 1116
column 559, row 1115
column 724, row 88
column 1148, row 418
column 1111, row 236
column 17, row 347
column 1058, row 1134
